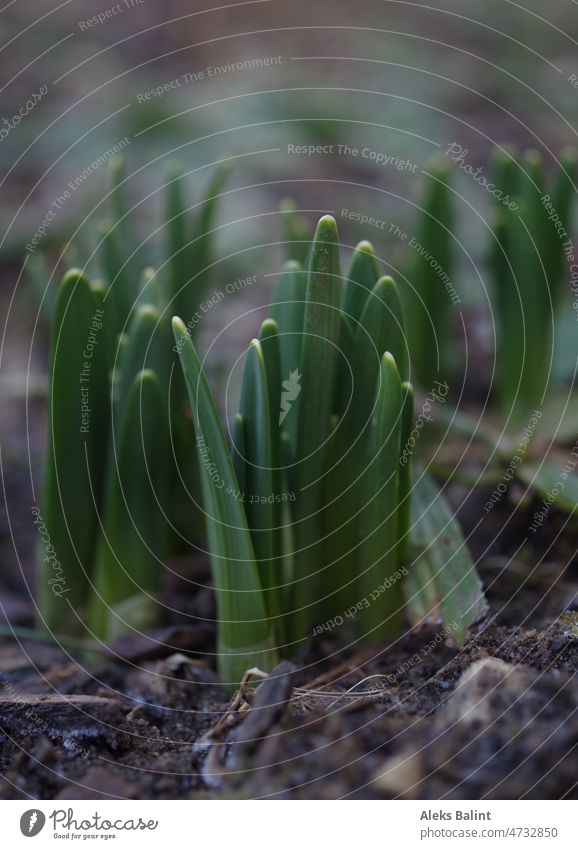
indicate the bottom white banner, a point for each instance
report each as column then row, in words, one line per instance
column 281, row 824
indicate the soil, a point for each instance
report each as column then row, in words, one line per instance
column 422, row 718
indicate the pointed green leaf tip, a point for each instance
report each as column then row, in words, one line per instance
column 326, row 230
column 366, row 247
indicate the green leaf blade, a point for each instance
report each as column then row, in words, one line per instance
column 133, row 544
column 443, row 572
column 288, row 313
column 321, row 329
column 259, row 494
column 405, row 476
column 428, row 308
column 73, row 479
column 361, row 278
column 380, row 330
column 380, row 521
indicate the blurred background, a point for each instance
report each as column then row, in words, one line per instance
column 257, row 82
column 406, row 79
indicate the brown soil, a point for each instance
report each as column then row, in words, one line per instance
column 423, row 718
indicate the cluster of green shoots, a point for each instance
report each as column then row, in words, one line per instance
column 529, row 237
column 311, row 509
column 308, row 511
column 111, row 492
column 528, row 261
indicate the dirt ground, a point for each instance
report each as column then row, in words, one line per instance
column 421, row 718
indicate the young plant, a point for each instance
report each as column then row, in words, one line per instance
column 73, row 480
column 529, row 249
column 427, row 301
column 111, row 494
column 308, row 511
column 245, row 632
column 527, row 261
column 104, row 467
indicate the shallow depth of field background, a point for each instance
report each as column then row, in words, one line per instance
column 404, row 79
